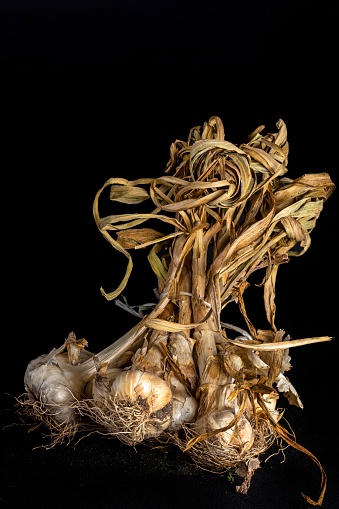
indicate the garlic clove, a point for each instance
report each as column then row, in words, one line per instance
column 184, row 406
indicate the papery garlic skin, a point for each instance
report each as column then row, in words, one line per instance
column 181, row 348
column 94, row 392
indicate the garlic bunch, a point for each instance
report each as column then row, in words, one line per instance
column 57, row 381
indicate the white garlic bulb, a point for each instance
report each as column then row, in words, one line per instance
column 55, row 387
column 240, row 435
column 135, row 384
column 140, row 406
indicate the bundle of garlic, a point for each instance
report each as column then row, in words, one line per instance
column 55, row 383
column 179, row 376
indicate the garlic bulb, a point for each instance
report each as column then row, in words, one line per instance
column 139, row 407
column 240, row 435
column 134, row 385
column 55, row 387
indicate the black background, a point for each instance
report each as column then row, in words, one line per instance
column 94, row 90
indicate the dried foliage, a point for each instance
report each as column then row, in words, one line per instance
column 231, row 211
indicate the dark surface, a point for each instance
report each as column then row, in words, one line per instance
column 94, row 90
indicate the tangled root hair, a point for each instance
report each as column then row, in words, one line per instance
column 211, row 455
column 30, row 409
column 130, row 422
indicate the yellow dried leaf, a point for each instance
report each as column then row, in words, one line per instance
column 128, row 194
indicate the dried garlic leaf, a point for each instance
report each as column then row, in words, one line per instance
column 128, row 194
column 131, row 238
column 313, row 185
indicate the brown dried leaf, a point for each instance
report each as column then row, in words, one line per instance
column 131, row 238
